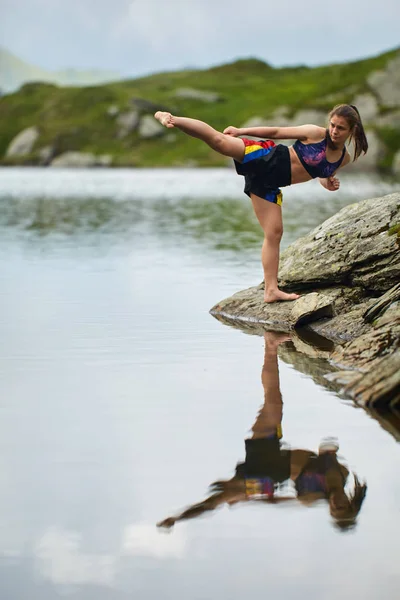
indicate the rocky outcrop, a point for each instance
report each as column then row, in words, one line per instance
column 347, row 271
column 127, row 122
column 81, row 160
column 200, row 95
column 386, row 83
column 23, row 143
column 150, row 128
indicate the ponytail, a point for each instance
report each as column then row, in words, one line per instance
column 352, row 116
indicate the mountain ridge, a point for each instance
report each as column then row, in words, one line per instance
column 15, row 72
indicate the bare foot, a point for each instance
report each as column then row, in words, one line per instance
column 167, row 523
column 165, row 118
column 274, row 338
column 279, row 296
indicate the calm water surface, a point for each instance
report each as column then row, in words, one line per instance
column 122, row 399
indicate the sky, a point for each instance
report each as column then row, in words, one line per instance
column 137, row 37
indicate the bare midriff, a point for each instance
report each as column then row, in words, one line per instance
column 299, row 174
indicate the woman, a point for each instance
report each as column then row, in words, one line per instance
column 266, row 167
column 270, row 469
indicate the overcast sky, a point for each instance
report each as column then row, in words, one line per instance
column 135, row 37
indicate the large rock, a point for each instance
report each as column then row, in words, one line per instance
column 127, row 122
column 200, row 95
column 23, row 143
column 369, row 161
column 81, row 160
column 367, row 106
column 354, row 247
column 386, row 83
column 396, row 163
column 348, row 269
column 150, row 128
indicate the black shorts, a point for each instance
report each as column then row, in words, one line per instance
column 265, row 458
column 266, row 168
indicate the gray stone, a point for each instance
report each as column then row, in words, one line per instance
column 149, row 107
column 201, row 95
column 81, row 160
column 386, row 83
column 369, row 161
column 127, row 123
column 368, row 107
column 150, row 128
column 396, row 163
column 23, row 143
column 316, row 117
column 113, row 110
column 310, row 307
column 46, row 155
column 389, row 119
column 349, row 245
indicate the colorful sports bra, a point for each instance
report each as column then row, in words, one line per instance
column 313, row 158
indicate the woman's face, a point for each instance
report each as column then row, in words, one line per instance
column 339, row 129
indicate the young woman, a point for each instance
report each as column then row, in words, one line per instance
column 267, row 167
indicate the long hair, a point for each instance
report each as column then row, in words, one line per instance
column 352, row 116
column 347, row 521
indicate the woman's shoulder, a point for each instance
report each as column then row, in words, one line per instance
column 315, row 134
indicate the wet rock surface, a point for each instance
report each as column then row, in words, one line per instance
column 347, row 271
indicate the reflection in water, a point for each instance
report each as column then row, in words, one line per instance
column 274, row 474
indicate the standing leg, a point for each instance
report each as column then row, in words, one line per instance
column 270, row 218
column 269, row 419
column 221, row 143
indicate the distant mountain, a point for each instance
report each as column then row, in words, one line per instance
column 14, row 72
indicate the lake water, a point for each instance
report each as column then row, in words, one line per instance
column 122, row 399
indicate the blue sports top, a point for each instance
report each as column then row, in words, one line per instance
column 313, row 158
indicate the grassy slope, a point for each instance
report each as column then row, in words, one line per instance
column 77, row 117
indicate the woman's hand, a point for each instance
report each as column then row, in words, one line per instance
column 330, row 183
column 233, row 131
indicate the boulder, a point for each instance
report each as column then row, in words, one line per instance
column 369, row 161
column 348, row 271
column 354, row 247
column 389, row 119
column 81, row 160
column 200, row 95
column 386, row 83
column 148, row 107
column 23, row 143
column 113, row 110
column 46, row 155
column 127, row 123
column 396, row 163
column 368, row 107
column 150, row 128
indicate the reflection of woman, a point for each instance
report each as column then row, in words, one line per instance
column 268, row 466
column 266, row 167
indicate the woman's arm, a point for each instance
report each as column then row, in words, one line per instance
column 332, row 183
column 302, row 132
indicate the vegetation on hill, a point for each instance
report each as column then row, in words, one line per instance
column 85, row 119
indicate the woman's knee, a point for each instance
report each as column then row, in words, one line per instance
column 228, row 146
column 220, row 143
column 273, row 234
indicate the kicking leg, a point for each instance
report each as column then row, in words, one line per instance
column 221, row 143
column 270, row 218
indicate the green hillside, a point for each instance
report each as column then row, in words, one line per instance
column 86, row 119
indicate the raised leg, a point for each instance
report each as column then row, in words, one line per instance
column 221, row 143
column 269, row 216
